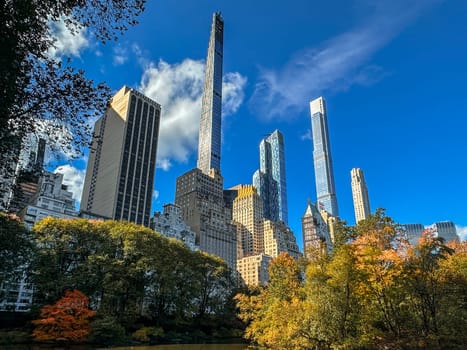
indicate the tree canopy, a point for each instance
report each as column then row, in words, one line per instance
column 374, row 291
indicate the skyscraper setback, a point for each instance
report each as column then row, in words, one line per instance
column 270, row 179
column 324, row 175
column 120, row 173
column 361, row 202
column 209, row 143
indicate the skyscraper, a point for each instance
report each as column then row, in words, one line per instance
column 209, row 143
column 120, row 173
column 324, row 175
column 247, row 213
column 361, row 201
column 270, row 179
column 315, row 232
column 199, row 192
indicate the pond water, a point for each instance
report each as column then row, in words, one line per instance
column 152, row 347
column 187, row 347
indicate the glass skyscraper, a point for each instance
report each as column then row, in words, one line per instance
column 324, row 175
column 270, row 180
column 209, row 147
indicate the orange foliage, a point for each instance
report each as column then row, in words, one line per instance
column 66, row 320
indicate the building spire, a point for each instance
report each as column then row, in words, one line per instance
column 209, row 147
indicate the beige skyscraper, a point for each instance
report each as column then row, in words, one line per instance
column 259, row 239
column 201, row 200
column 247, row 214
column 361, row 202
column 120, row 173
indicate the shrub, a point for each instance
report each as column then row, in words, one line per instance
column 107, row 331
column 147, row 334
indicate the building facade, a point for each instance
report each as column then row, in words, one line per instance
column 270, row 179
column 413, row 232
column 209, row 146
column 444, row 229
column 316, row 236
column 51, row 200
column 253, row 269
column 324, row 174
column 170, row 224
column 361, row 201
column 200, row 198
column 120, row 173
column 247, row 215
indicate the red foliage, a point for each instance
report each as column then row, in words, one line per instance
column 66, row 320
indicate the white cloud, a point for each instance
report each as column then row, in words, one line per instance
column 335, row 65
column 120, row 55
column 178, row 88
column 306, row 135
column 462, row 233
column 73, row 178
column 232, row 92
column 66, row 42
column 155, row 194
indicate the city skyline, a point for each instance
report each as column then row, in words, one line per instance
column 383, row 96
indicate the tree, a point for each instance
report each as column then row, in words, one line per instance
column 277, row 316
column 67, row 320
column 41, row 94
column 16, row 247
column 65, row 257
column 426, row 284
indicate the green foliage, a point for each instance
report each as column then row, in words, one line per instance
column 16, row 247
column 374, row 291
column 107, row 331
column 131, row 273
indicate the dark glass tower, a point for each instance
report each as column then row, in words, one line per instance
column 270, row 180
column 324, row 175
column 209, row 147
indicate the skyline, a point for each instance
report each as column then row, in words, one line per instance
column 362, row 64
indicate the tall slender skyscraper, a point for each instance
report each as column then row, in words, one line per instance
column 324, row 174
column 199, row 192
column 270, row 180
column 209, row 147
column 361, row 201
column 120, row 173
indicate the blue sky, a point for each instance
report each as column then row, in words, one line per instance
column 393, row 74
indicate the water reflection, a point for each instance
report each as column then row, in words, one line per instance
column 187, row 347
column 152, row 347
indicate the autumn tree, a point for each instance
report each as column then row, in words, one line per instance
column 275, row 315
column 67, row 320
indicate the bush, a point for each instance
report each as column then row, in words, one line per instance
column 147, row 334
column 14, row 337
column 107, row 331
